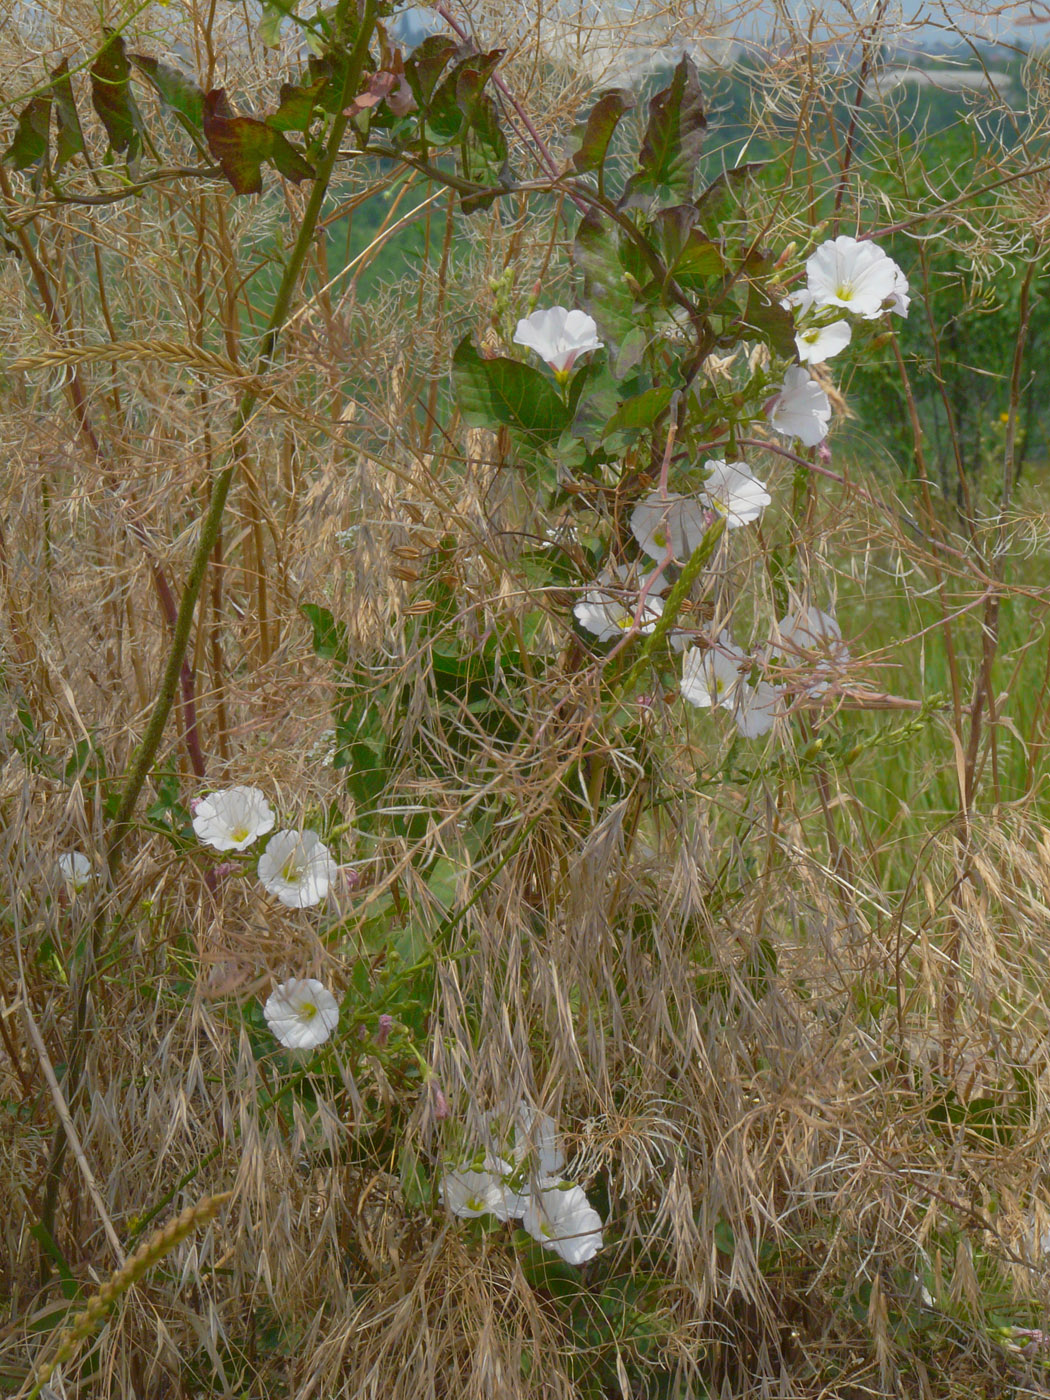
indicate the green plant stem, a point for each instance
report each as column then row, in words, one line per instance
column 210, row 528
column 692, row 570
column 212, row 523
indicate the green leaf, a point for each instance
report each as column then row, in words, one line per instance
column 415, row 1183
column 289, row 161
column 508, row 393
column 672, row 142
column 723, row 200
column 485, row 154
column 608, row 297
column 70, row 141
column 763, row 318
column 641, row 411
column 427, row 64
column 239, row 144
column 329, row 70
column 175, row 88
column 470, row 78
column 596, row 132
column 297, row 106
column 698, row 262
column 29, row 146
column 68, row 1284
column 270, row 26
column 690, row 256
column 329, row 639
column 769, row 321
column 112, row 98
column 485, row 126
column 595, row 407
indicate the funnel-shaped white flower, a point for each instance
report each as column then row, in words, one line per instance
column 608, row 609
column 301, row 1013
column 536, row 1136
column 853, row 274
column 733, row 490
column 232, row 819
column 711, row 675
column 756, row 708
column 558, row 336
column 899, row 298
column 818, row 343
column 562, row 1219
column 801, row 409
column 811, row 638
column 468, row 1192
column 76, row 870
column 672, row 520
column 297, row 868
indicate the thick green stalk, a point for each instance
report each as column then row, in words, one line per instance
column 158, row 719
column 691, row 571
column 183, row 626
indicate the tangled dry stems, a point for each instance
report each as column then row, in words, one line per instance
column 734, row 1001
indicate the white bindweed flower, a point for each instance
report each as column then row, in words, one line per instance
column 558, row 336
column 733, row 490
column 812, row 638
column 672, row 520
column 853, row 274
column 711, row 675
column 297, row 868
column 756, row 708
column 818, row 343
column 469, row 1193
column 800, row 301
column 562, row 1219
column 899, row 299
column 801, row 409
column 302, row 1013
column 232, row 819
column 536, row 1136
column 608, row 610
column 76, row 870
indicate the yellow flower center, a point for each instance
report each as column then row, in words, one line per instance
column 307, row 1011
column 240, row 834
column 291, row 871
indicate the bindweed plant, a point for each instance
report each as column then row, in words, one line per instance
column 564, row 866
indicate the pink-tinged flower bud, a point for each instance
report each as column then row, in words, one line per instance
column 439, row 1105
column 352, row 876
column 383, row 1029
column 195, row 803
column 213, row 878
column 824, row 453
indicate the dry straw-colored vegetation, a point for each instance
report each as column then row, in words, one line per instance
column 786, row 998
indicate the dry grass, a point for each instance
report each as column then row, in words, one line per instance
column 796, row 1041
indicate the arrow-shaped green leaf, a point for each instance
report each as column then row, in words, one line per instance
column 507, row 393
